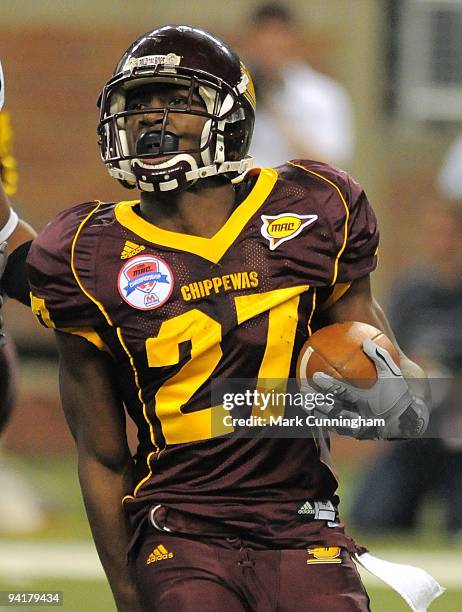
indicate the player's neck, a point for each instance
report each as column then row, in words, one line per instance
column 199, row 211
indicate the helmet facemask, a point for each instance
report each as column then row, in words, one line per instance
column 221, row 146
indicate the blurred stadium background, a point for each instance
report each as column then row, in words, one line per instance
column 393, row 58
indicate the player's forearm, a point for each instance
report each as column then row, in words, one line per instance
column 95, row 414
column 412, row 372
column 103, row 489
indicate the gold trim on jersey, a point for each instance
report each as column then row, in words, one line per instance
column 313, row 308
column 212, row 248
column 308, row 325
column 321, row 444
column 339, row 290
column 74, row 271
column 143, row 480
column 347, row 215
column 89, row 334
column 119, row 335
column 40, row 310
column 145, row 414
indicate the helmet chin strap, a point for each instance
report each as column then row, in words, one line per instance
column 167, row 176
column 179, row 172
column 182, row 175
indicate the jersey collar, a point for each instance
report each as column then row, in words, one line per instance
column 212, row 248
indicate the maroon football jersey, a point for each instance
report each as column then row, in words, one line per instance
column 177, row 312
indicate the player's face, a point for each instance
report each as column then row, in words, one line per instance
column 182, row 130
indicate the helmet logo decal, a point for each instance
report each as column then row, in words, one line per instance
column 145, row 282
column 250, row 88
column 279, row 228
column 169, row 61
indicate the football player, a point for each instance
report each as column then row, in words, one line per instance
column 7, row 387
column 18, row 235
column 212, row 272
column 20, row 506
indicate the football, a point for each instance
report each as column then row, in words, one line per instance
column 337, row 350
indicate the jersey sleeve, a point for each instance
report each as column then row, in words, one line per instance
column 357, row 235
column 343, row 240
column 57, row 297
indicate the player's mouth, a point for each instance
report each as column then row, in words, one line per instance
column 150, row 143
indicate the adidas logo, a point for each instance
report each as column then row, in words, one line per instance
column 307, row 508
column 130, row 249
column 160, row 553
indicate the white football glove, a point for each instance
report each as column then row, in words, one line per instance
column 3, row 258
column 2, row 87
column 388, row 399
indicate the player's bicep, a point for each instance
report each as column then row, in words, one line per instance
column 90, row 399
column 358, row 304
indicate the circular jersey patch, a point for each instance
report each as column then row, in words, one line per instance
column 145, row 282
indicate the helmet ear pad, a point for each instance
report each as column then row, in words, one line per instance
column 238, row 134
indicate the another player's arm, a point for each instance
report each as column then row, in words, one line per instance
column 6, row 375
column 22, row 233
column 16, row 232
column 359, row 304
column 19, row 238
column 96, row 418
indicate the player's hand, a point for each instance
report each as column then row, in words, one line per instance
column 332, row 415
column 388, row 399
column 3, row 258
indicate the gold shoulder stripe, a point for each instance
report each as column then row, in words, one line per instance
column 347, row 216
